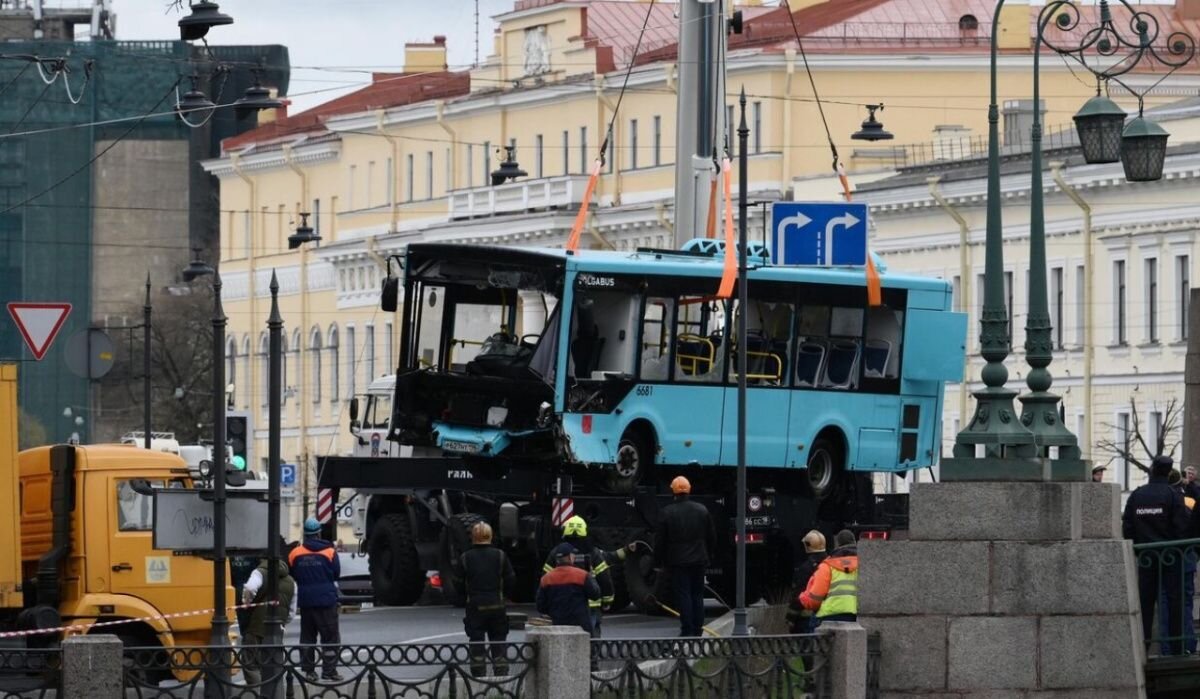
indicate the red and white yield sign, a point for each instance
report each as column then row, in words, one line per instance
column 39, row 323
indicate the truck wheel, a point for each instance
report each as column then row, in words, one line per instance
column 456, row 538
column 396, row 575
column 634, row 457
column 646, row 588
column 149, row 664
column 620, row 588
column 825, row 469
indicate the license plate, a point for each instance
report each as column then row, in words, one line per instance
column 461, row 447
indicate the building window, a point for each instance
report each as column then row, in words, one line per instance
column 757, row 132
column 351, row 363
column 390, row 183
column 583, row 155
column 956, row 293
column 1080, row 300
column 633, row 144
column 350, row 177
column 537, row 156
column 487, row 162
column 470, row 165
column 369, row 353
column 369, row 192
column 1151, row 300
column 1119, row 302
column 429, row 174
column 1183, row 283
column 1154, row 428
column 657, row 141
column 388, row 351
column 1123, row 437
column 314, row 348
column 408, row 177
column 566, row 152
column 1056, row 306
column 335, row 367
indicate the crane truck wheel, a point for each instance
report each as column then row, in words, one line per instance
column 396, row 574
column 456, row 538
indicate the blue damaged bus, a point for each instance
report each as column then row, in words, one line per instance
column 616, row 371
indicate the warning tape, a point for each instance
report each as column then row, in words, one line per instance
column 155, row 617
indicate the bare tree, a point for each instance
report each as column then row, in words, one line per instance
column 180, row 368
column 1131, row 445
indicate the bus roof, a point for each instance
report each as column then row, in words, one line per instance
column 652, row 261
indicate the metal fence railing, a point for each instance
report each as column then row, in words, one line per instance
column 465, row 670
column 1166, row 576
column 874, row 656
column 751, row 666
column 30, row 673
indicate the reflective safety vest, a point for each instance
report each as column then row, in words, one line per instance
column 843, row 594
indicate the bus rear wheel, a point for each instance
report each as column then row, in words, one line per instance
column 825, row 469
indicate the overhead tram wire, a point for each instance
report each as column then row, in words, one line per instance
column 625, row 83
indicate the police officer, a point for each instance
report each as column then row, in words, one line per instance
column 591, row 558
column 1156, row 512
column 489, row 577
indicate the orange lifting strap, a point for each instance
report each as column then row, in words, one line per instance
column 874, row 290
column 581, row 217
column 711, row 230
column 729, row 275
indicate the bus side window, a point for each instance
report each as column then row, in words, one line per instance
column 700, row 347
column 768, row 335
column 657, row 331
column 812, row 344
column 602, row 334
column 845, row 331
column 881, row 347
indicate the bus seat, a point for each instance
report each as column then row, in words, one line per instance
column 808, row 362
column 840, row 369
column 875, row 357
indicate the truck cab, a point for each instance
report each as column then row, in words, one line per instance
column 370, row 417
column 87, row 551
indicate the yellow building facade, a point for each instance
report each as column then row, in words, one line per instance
column 408, row 159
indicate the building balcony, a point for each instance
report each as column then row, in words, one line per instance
column 541, row 194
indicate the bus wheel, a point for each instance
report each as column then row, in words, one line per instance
column 824, row 468
column 633, row 460
column 396, row 575
column 456, row 538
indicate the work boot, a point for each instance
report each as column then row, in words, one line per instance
column 334, row 676
column 311, row 676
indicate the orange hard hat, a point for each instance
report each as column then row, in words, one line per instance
column 680, row 485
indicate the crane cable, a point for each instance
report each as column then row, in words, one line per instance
column 581, row 217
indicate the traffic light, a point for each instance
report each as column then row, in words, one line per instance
column 238, row 437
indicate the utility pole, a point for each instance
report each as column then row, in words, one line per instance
column 700, row 110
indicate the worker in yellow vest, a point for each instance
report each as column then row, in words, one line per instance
column 832, row 591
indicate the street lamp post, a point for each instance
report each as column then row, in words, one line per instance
column 274, row 625
column 1018, row 449
column 739, row 611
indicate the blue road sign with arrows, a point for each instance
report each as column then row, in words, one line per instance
column 818, row 233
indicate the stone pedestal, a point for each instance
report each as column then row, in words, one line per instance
column 1006, row 589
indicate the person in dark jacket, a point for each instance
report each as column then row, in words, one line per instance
column 594, row 560
column 316, row 569
column 800, row 620
column 832, row 591
column 489, row 576
column 564, row 592
column 683, row 544
column 1156, row 512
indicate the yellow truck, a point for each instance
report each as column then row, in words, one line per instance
column 84, row 517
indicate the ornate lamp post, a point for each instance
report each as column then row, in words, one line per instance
column 1023, row 445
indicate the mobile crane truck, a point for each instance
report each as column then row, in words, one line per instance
column 614, row 384
column 79, row 523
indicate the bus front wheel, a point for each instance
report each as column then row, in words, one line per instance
column 634, row 457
